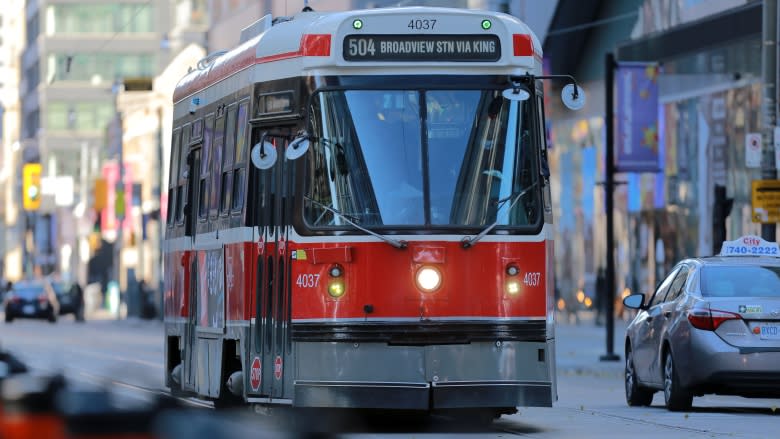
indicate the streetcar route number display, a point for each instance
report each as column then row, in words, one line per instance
column 399, row 48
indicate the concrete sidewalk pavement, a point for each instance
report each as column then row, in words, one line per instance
column 579, row 347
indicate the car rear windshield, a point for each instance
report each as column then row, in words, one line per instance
column 740, row 281
column 28, row 292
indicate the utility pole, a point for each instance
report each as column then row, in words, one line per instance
column 609, row 189
column 769, row 100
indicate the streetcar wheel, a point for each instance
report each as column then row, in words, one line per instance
column 636, row 395
column 676, row 397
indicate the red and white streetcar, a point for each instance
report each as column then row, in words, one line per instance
column 360, row 216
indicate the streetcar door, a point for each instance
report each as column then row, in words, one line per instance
column 274, row 281
column 191, row 207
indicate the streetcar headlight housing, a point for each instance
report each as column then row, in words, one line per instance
column 336, row 288
column 428, row 279
column 335, row 271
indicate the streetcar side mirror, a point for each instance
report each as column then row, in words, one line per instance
column 634, row 301
column 298, row 147
column 263, row 154
column 573, row 96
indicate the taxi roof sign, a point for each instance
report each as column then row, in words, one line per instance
column 749, row 245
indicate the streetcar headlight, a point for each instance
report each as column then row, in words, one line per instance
column 336, row 288
column 512, row 287
column 428, row 279
column 335, row 271
column 512, row 270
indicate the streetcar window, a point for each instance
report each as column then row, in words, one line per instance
column 185, row 148
column 369, row 148
column 230, row 139
column 171, row 205
column 238, row 188
column 216, row 166
column 243, row 115
column 173, row 174
column 181, row 197
column 227, row 180
column 203, row 199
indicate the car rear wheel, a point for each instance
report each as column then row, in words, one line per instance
column 8, row 318
column 676, row 397
column 636, row 395
column 52, row 317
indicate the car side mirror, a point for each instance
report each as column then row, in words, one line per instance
column 634, row 301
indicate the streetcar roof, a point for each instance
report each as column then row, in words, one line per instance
column 315, row 41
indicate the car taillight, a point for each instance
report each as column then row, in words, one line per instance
column 710, row 319
column 42, row 298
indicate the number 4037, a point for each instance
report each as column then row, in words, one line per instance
column 308, row 280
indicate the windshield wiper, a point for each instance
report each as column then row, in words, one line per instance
column 397, row 243
column 469, row 241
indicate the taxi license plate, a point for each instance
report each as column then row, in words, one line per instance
column 28, row 309
column 769, row 332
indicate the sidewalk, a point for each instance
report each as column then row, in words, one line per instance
column 580, row 346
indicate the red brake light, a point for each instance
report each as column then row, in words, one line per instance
column 710, row 320
column 42, row 298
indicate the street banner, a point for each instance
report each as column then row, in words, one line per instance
column 637, row 117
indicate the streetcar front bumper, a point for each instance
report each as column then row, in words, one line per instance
column 422, row 396
column 382, row 376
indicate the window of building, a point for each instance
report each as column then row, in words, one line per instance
column 80, row 116
column 98, row 68
column 99, row 18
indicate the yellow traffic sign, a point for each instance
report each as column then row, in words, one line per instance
column 766, row 201
column 31, row 186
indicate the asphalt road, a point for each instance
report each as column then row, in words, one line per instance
column 127, row 357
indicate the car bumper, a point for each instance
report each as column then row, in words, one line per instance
column 715, row 366
column 33, row 311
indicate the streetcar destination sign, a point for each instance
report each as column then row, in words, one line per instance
column 452, row 48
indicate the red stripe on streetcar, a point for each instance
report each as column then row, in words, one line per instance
column 310, row 45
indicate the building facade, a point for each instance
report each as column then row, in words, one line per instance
column 76, row 56
column 11, row 44
column 710, row 95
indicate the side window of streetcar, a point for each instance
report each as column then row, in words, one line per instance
column 208, row 132
column 182, row 190
column 239, row 177
column 173, row 176
column 215, row 166
column 227, row 165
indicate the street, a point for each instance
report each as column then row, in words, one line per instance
column 126, row 356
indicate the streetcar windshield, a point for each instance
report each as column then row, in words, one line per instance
column 422, row 158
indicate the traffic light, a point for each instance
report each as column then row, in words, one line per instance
column 720, row 212
column 31, row 186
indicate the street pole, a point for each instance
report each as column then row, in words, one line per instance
column 609, row 188
column 769, row 99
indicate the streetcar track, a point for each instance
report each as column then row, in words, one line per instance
column 102, row 380
column 647, row 422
